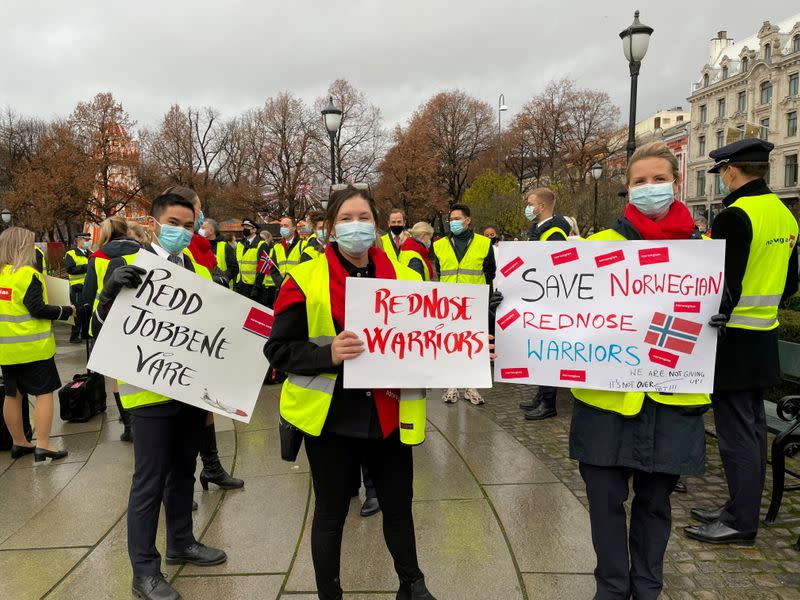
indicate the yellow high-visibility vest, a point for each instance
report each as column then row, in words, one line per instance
column 388, row 247
column 313, row 249
column 470, row 269
column 405, row 258
column 284, row 262
column 306, row 399
column 219, row 253
column 23, row 339
column 78, row 259
column 44, row 258
column 132, row 396
column 774, row 236
column 248, row 262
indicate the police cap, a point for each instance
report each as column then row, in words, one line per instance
column 250, row 223
column 86, row 236
column 750, row 150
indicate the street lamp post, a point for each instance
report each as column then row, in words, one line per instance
column 597, row 171
column 635, row 40
column 332, row 117
column 501, row 108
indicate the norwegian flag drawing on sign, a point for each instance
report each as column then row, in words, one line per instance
column 673, row 333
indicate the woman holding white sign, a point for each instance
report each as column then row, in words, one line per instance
column 653, row 437
column 343, row 427
column 27, row 345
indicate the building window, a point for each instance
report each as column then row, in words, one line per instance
column 794, row 78
column 679, row 119
column 796, row 43
column 741, row 102
column 701, row 183
column 720, row 138
column 764, row 129
column 705, row 80
column 724, row 73
column 791, row 123
column 766, row 92
column 791, row 171
column 703, row 113
column 768, row 53
column 721, row 108
column 701, row 145
column 745, row 64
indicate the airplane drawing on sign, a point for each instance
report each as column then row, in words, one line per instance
column 220, row 406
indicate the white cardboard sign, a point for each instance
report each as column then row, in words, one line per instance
column 621, row 316
column 187, row 338
column 58, row 294
column 418, row 334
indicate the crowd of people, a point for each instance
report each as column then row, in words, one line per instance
column 353, row 435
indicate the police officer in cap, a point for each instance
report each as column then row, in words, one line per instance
column 76, row 262
column 760, row 271
column 248, row 252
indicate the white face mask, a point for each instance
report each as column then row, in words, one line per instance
column 652, row 199
column 355, row 237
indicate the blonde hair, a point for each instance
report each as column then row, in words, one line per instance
column 421, row 228
column 140, row 233
column 17, row 248
column 111, row 229
column 545, row 195
column 654, row 150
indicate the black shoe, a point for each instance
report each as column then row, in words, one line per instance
column 74, row 340
column 370, row 507
column 719, row 533
column 20, row 451
column 126, row 435
column 194, row 505
column 213, row 471
column 197, row 554
column 533, row 402
column 414, row 591
column 708, row 515
column 40, row 454
column 680, row 487
column 153, row 588
column 540, row 412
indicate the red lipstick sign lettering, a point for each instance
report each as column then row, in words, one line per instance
column 565, row 256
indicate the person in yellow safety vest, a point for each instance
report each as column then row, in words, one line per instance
column 415, row 251
column 76, row 262
column 316, row 244
column 304, row 230
column 224, row 252
column 40, row 263
column 27, row 345
column 651, row 437
column 167, row 434
column 287, row 250
column 760, row 273
column 546, row 225
column 249, row 282
column 390, row 242
column 464, row 257
column 341, row 427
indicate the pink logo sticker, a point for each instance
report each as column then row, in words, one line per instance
column 512, row 266
column 565, row 256
column 687, row 307
column 258, row 322
column 609, row 259
column 520, row 373
column 508, row 319
column 572, row 375
column 652, row 256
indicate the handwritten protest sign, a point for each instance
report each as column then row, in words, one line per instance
column 187, row 338
column 626, row 316
column 58, row 294
column 418, row 334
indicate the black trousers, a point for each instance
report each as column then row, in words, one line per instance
column 548, row 396
column 76, row 298
column 166, row 440
column 335, row 462
column 742, row 435
column 642, row 575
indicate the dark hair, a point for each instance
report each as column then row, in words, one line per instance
column 752, row 169
column 397, row 211
column 485, row 227
column 319, row 216
column 462, row 207
column 184, row 192
column 340, row 197
column 164, row 201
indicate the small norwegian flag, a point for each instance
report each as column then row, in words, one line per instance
column 265, row 264
column 673, row 333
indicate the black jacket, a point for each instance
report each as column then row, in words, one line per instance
column 113, row 249
column 230, row 258
column 73, row 268
column 746, row 359
column 660, row 439
column 536, row 230
column 34, row 302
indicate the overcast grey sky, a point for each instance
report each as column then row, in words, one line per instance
column 233, row 54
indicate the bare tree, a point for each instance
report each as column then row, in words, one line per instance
column 19, row 139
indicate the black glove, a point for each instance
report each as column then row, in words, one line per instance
column 221, row 280
column 718, row 321
column 494, row 300
column 255, row 293
column 129, row 276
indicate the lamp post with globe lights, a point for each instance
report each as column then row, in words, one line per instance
column 635, row 40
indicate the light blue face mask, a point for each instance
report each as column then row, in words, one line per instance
column 174, row 239
column 456, row 227
column 355, row 237
column 724, row 190
column 652, row 199
column 530, row 213
column 199, row 222
column 321, row 235
column 286, row 232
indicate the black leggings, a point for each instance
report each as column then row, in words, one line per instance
column 335, row 462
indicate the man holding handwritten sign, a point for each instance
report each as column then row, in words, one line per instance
column 418, row 334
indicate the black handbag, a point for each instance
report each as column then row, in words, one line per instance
column 291, row 440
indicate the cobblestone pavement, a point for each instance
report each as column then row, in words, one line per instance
column 770, row 569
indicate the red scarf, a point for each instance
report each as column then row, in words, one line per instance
column 201, row 250
column 386, row 401
column 414, row 245
column 676, row 225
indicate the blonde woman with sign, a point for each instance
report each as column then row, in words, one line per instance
column 27, row 345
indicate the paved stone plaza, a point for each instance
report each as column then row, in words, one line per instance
column 500, row 514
